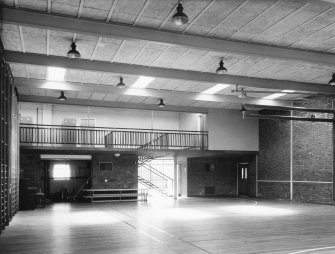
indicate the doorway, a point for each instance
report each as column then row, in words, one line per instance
column 242, row 179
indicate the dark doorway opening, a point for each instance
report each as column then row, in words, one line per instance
column 243, row 169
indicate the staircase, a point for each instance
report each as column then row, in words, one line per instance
column 153, row 179
column 79, row 194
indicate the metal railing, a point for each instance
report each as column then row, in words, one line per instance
column 60, row 135
column 154, row 179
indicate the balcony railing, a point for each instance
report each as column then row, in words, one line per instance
column 81, row 136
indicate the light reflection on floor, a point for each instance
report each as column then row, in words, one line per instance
column 259, row 210
column 83, row 218
column 191, row 225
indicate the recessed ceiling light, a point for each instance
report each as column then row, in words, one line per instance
column 274, row 96
column 56, row 74
column 215, row 89
column 142, row 82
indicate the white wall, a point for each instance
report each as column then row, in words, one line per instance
column 111, row 117
column 227, row 130
column 190, row 121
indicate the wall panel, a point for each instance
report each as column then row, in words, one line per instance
column 9, row 155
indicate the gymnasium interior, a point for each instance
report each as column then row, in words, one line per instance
column 166, row 126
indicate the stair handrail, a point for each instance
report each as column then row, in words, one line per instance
column 153, row 186
column 81, row 188
column 157, row 172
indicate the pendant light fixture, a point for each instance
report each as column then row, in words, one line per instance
column 221, row 69
column 62, row 96
column 332, row 81
column 73, row 52
column 180, row 18
column 161, row 103
column 243, row 109
column 121, row 84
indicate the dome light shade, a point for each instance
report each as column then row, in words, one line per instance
column 161, row 103
column 221, row 69
column 243, row 109
column 73, row 52
column 332, row 81
column 121, row 84
column 62, row 96
column 180, row 18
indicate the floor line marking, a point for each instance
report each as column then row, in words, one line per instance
column 157, row 229
column 309, row 250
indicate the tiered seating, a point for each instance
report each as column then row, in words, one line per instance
column 107, row 195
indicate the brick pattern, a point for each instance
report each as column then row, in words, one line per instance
column 252, row 177
column 223, row 178
column 31, row 169
column 122, row 176
column 313, row 144
column 313, row 192
column 274, row 149
column 274, row 190
column 312, row 155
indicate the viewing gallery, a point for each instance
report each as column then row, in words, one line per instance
column 166, row 126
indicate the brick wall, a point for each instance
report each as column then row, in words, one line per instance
column 312, row 158
column 223, row 177
column 252, row 177
column 123, row 174
column 313, row 154
column 31, row 169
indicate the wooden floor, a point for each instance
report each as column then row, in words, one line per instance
column 193, row 225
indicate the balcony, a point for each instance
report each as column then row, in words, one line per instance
column 113, row 138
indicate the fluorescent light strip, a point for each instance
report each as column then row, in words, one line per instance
column 215, row 89
column 142, row 82
column 274, row 96
column 288, row 91
column 56, row 74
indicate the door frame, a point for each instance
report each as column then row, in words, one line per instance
column 237, row 175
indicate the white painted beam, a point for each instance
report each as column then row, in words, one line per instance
column 154, row 93
column 114, row 30
column 109, row 104
column 100, row 66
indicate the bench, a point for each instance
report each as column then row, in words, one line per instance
column 108, row 195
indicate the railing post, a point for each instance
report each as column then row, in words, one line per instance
column 175, row 178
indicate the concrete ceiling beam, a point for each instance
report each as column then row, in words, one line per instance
column 154, row 93
column 101, row 66
column 114, row 30
column 109, row 104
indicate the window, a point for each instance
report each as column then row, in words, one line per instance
column 106, row 166
column 61, row 172
column 244, row 173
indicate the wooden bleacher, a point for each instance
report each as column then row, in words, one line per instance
column 109, row 195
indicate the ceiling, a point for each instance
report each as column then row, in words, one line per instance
column 266, row 44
